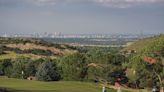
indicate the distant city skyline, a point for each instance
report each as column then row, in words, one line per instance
column 82, row 16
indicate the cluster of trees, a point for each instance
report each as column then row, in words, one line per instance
column 95, row 65
column 39, row 52
column 43, row 69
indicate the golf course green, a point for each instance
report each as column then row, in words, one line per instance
column 17, row 85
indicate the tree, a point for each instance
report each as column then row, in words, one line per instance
column 6, row 67
column 48, row 71
column 97, row 56
column 18, row 68
column 1, row 50
column 104, row 65
column 73, row 67
column 30, row 69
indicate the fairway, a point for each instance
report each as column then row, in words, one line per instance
column 37, row 86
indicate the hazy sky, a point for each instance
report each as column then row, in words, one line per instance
column 82, row 16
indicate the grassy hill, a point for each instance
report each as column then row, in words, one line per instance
column 152, row 47
column 155, row 43
column 32, row 48
column 147, row 62
column 148, row 47
column 18, row 85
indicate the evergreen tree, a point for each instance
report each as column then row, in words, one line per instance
column 30, row 69
column 48, row 71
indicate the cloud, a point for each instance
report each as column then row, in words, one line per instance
column 126, row 3
column 53, row 2
column 105, row 3
column 43, row 2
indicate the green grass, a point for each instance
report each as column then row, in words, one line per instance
column 156, row 41
column 61, row 86
column 8, row 55
column 12, row 55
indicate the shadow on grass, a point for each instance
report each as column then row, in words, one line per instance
column 14, row 90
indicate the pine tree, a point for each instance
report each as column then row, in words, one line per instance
column 48, row 72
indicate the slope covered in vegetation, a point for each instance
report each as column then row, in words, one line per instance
column 147, row 62
column 32, row 48
column 155, row 43
column 105, row 66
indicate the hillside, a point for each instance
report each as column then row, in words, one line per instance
column 146, row 62
column 152, row 44
column 148, row 47
column 30, row 47
column 91, row 65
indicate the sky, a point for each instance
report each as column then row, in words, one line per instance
column 82, row 16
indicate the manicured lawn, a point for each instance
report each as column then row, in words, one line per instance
column 61, row 86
